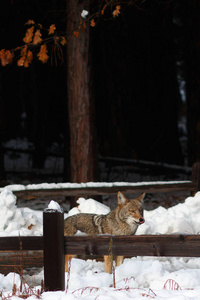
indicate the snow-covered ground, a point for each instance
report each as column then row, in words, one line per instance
column 137, row 278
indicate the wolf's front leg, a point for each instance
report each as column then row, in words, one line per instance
column 68, row 257
column 108, row 263
column 119, row 260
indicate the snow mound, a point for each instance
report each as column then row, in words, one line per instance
column 182, row 218
column 15, row 221
column 90, row 206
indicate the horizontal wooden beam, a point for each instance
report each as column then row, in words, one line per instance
column 19, row 243
column 106, row 190
column 144, row 245
column 141, row 245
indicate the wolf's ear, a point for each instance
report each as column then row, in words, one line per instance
column 141, row 198
column 121, row 199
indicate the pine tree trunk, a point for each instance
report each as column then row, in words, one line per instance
column 80, row 106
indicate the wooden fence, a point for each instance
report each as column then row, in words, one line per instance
column 54, row 245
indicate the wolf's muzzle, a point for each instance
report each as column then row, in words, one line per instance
column 141, row 220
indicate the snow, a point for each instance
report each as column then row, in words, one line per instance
column 69, row 185
column 84, row 13
column 138, row 277
column 53, row 205
column 89, row 206
column 15, row 221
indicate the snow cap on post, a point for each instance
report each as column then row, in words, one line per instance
column 53, row 206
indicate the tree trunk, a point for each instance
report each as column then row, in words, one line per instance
column 80, row 106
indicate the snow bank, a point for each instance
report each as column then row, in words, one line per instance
column 182, row 218
column 17, row 221
column 140, row 272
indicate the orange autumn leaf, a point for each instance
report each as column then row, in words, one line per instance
column 28, row 59
column 63, row 41
column 92, row 23
column 30, row 22
column 37, row 37
column 2, row 53
column 21, row 61
column 52, row 29
column 6, row 57
column 76, row 33
column 116, row 12
column 29, row 35
column 30, row 226
column 42, row 55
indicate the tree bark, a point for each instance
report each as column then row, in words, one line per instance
column 80, row 106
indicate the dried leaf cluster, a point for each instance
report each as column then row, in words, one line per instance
column 34, row 40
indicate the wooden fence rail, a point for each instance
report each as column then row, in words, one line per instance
column 99, row 189
column 106, row 190
column 141, row 245
column 19, row 243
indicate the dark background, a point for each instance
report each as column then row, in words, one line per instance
column 139, row 60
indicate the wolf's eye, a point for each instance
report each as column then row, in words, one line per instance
column 132, row 211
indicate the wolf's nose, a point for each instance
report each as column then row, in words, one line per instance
column 141, row 220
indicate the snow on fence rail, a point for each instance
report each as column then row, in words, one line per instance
column 55, row 246
column 92, row 188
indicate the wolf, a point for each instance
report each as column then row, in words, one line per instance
column 123, row 220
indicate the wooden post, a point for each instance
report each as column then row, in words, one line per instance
column 53, row 237
column 196, row 175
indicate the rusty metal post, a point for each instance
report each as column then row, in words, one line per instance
column 54, row 259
